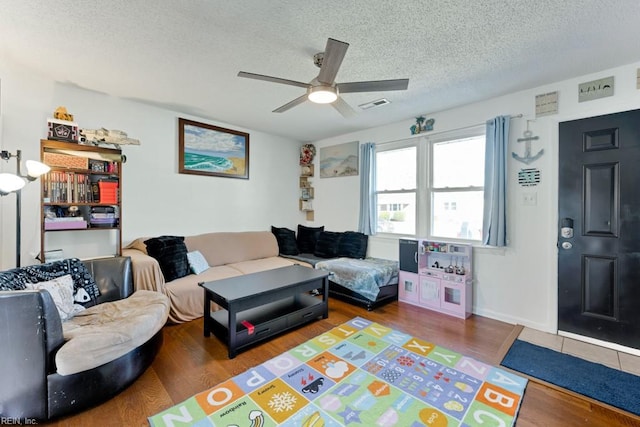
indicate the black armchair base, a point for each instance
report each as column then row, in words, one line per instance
column 73, row 393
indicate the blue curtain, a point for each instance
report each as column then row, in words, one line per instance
column 494, row 223
column 368, row 202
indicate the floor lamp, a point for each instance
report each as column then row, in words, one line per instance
column 13, row 183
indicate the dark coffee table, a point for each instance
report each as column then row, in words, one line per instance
column 260, row 305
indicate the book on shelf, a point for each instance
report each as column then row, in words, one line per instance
column 67, row 187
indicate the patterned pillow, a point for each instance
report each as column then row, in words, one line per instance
column 286, row 240
column 327, row 246
column 353, row 245
column 171, row 254
column 197, row 262
column 307, row 238
column 61, row 291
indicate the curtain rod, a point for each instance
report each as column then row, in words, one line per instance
column 515, row 116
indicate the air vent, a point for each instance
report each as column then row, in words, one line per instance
column 376, row 103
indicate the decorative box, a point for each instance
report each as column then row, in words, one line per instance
column 65, row 160
column 108, row 191
column 62, row 130
column 62, row 224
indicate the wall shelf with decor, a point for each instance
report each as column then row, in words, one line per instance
column 306, row 191
column 81, row 193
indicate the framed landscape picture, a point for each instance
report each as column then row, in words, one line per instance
column 339, row 160
column 211, row 150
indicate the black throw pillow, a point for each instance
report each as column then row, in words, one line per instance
column 286, row 240
column 171, row 254
column 327, row 245
column 353, row 245
column 307, row 238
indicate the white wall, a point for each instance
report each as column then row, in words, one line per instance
column 517, row 284
column 156, row 199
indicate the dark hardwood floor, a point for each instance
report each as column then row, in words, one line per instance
column 189, row 363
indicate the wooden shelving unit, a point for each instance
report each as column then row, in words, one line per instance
column 305, row 203
column 81, row 193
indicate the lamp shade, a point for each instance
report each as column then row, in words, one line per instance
column 322, row 94
column 35, row 169
column 9, row 183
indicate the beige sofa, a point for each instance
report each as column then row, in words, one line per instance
column 228, row 254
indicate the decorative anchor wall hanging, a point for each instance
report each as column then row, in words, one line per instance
column 528, row 158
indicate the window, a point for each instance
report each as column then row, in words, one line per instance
column 432, row 187
column 457, row 188
column 396, row 190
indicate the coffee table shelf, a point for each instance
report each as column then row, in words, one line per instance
column 268, row 320
column 260, row 305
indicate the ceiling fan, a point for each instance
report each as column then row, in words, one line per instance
column 323, row 89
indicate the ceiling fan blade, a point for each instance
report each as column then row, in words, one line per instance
column 291, row 104
column 333, row 55
column 373, row 86
column 343, row 108
column 272, row 79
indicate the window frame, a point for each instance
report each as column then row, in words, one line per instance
column 471, row 132
column 424, row 180
column 393, row 146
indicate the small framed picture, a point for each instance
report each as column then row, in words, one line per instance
column 211, row 150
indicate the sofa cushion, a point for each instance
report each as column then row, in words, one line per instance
column 286, row 240
column 61, row 291
column 353, row 245
column 197, row 263
column 187, row 298
column 104, row 332
column 171, row 253
column 328, row 243
column 307, row 238
column 229, row 247
column 257, row 265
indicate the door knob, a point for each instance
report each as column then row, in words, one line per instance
column 566, row 245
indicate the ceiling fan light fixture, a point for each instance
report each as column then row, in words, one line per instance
column 322, row 94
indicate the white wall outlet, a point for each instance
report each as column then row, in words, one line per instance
column 529, row 199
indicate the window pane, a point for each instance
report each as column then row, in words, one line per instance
column 459, row 163
column 397, row 213
column 457, row 215
column 396, row 169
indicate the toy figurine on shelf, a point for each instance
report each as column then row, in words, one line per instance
column 61, row 113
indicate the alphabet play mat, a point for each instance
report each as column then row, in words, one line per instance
column 358, row 374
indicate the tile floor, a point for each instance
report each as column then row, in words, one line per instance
column 593, row 353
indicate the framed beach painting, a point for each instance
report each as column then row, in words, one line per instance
column 211, row 150
column 339, row 160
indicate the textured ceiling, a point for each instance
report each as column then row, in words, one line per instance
column 185, row 55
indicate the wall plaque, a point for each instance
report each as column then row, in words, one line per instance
column 595, row 89
column 547, row 104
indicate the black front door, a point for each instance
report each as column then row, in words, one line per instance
column 599, row 228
